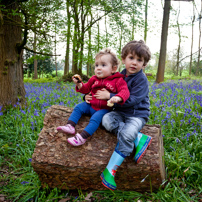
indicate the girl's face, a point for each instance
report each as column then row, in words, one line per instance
column 133, row 64
column 103, row 66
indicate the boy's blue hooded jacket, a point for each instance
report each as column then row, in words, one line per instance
column 138, row 103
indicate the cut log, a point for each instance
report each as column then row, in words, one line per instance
column 62, row 165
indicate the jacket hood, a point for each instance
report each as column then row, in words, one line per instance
column 124, row 72
column 116, row 75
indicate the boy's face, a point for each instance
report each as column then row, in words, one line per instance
column 133, row 64
column 103, row 66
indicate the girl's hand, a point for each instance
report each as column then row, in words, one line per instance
column 102, row 94
column 114, row 99
column 79, row 85
column 88, row 97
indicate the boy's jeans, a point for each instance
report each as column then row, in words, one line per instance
column 96, row 116
column 126, row 129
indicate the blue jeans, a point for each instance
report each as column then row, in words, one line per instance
column 126, row 129
column 96, row 116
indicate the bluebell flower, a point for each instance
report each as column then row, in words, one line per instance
column 24, row 182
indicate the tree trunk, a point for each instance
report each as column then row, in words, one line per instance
column 145, row 23
column 11, row 78
column 66, row 68
column 56, row 68
column 106, row 33
column 75, row 58
column 98, row 36
column 164, row 34
column 178, row 49
column 199, row 44
column 89, row 59
column 35, row 60
column 59, row 164
column 192, row 40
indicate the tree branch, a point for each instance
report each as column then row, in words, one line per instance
column 188, row 56
column 24, row 41
column 40, row 53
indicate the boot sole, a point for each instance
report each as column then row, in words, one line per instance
column 62, row 131
column 147, row 145
column 103, row 182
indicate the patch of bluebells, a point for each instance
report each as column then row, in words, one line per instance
column 177, row 106
column 44, row 95
column 1, row 113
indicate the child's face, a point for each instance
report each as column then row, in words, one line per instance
column 103, row 66
column 133, row 64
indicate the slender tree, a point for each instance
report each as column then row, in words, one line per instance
column 145, row 24
column 179, row 44
column 192, row 39
column 80, row 10
column 199, row 44
column 66, row 68
column 163, row 48
column 106, row 33
column 56, row 69
column 35, row 59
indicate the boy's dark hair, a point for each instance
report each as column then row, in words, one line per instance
column 138, row 48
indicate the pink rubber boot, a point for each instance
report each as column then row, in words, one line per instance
column 77, row 140
column 66, row 129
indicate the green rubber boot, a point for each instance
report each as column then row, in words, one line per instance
column 108, row 174
column 141, row 143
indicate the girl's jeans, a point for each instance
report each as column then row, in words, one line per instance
column 126, row 129
column 96, row 116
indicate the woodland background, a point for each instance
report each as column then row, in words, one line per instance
column 44, row 42
column 32, row 32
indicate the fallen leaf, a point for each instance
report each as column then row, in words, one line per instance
column 64, row 199
column 88, row 197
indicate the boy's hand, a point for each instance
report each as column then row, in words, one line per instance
column 77, row 81
column 88, row 97
column 102, row 94
column 114, row 99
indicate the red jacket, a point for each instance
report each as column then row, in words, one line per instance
column 114, row 84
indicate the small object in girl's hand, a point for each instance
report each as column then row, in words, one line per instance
column 109, row 104
column 78, row 78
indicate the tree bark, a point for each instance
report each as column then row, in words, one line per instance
column 192, row 40
column 179, row 44
column 35, row 60
column 199, row 44
column 66, row 68
column 59, row 164
column 145, row 23
column 11, row 78
column 164, row 34
column 90, row 58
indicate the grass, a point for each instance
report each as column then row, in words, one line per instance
column 175, row 105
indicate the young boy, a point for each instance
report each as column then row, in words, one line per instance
column 127, row 120
column 106, row 64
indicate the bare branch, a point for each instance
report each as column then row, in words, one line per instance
column 188, row 56
column 40, row 53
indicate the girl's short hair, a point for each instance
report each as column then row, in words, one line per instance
column 138, row 48
column 114, row 59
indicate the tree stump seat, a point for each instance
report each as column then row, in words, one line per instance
column 62, row 165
